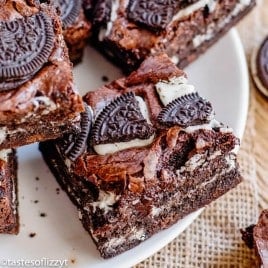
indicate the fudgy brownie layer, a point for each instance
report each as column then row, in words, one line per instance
column 48, row 94
column 149, row 152
column 160, row 203
column 34, row 132
column 9, row 219
column 184, row 39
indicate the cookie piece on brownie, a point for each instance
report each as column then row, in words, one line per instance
column 149, row 153
column 129, row 30
column 76, row 28
column 38, row 99
column 9, row 220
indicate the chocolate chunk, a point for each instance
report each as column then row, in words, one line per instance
column 262, row 64
column 247, row 235
column 32, row 235
column 69, row 10
column 185, row 111
column 25, row 45
column 102, row 12
column 74, row 144
column 154, row 14
column 120, row 121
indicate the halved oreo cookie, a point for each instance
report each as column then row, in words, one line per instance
column 69, row 10
column 74, row 144
column 155, row 14
column 185, row 111
column 25, row 46
column 121, row 121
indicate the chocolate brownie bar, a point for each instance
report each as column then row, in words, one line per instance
column 38, row 99
column 149, row 152
column 260, row 236
column 129, row 30
column 9, row 220
column 256, row 236
column 76, row 28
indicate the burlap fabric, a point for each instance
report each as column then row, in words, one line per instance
column 214, row 239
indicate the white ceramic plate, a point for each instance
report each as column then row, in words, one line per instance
column 220, row 75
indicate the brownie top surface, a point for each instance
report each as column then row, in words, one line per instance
column 133, row 123
column 29, row 62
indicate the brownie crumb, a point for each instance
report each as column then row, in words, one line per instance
column 104, row 78
column 73, row 261
column 37, row 178
column 42, row 214
column 247, row 236
column 36, row 201
column 57, row 190
column 32, row 235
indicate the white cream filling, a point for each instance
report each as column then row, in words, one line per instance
column 105, row 201
column 175, row 59
column 199, row 39
column 209, row 126
column 3, row 134
column 47, row 102
column 173, row 89
column 110, row 148
column 4, row 154
column 155, row 211
column 106, row 31
column 194, row 7
column 134, row 234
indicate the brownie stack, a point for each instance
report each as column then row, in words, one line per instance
column 35, row 104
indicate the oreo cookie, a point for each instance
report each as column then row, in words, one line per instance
column 69, row 9
column 259, row 67
column 121, row 121
column 74, row 144
column 185, row 111
column 25, row 46
column 155, row 15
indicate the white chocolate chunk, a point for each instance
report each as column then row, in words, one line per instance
column 173, row 89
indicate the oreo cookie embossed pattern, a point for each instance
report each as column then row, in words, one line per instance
column 25, row 47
